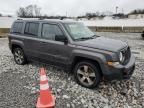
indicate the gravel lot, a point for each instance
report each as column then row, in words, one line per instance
column 19, row 85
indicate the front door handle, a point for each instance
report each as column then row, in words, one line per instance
column 42, row 42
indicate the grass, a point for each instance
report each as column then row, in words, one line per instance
column 4, row 32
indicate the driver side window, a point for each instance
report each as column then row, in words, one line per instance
column 51, row 31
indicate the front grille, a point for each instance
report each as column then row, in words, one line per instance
column 126, row 54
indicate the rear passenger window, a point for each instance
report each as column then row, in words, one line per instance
column 17, row 27
column 31, row 28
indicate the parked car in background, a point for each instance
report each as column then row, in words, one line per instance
column 73, row 46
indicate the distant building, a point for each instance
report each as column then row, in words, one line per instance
column 6, row 22
column 119, row 16
column 136, row 16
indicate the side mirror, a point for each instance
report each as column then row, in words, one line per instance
column 61, row 38
column 65, row 41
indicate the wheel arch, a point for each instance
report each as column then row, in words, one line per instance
column 80, row 58
column 16, row 46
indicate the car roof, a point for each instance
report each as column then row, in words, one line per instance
column 46, row 20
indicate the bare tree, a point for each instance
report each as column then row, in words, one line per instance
column 29, row 11
column 21, row 12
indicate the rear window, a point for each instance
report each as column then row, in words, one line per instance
column 31, row 28
column 17, row 27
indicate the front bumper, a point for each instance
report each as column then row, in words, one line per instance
column 119, row 71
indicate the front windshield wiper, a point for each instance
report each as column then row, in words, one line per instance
column 86, row 38
column 94, row 36
column 83, row 38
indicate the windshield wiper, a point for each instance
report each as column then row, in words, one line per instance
column 83, row 38
column 94, row 36
column 86, row 38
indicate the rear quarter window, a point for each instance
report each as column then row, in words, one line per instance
column 17, row 27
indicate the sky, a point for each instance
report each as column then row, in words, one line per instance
column 71, row 7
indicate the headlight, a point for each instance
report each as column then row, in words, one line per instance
column 121, row 57
column 113, row 63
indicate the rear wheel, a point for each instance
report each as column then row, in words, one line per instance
column 87, row 74
column 19, row 56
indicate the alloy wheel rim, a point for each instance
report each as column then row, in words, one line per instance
column 86, row 75
column 18, row 56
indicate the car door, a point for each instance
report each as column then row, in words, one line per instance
column 52, row 46
column 31, row 39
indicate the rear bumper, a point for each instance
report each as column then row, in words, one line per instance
column 120, row 72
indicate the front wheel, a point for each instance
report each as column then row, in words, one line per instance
column 19, row 56
column 87, row 74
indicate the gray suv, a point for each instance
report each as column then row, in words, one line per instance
column 71, row 45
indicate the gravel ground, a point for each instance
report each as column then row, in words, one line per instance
column 19, row 85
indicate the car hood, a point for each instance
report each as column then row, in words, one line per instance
column 103, row 43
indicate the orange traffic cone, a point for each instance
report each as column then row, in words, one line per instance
column 46, row 99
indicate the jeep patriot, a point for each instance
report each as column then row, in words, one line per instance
column 71, row 45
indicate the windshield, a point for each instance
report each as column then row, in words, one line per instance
column 79, row 31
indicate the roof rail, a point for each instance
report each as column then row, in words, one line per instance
column 60, row 18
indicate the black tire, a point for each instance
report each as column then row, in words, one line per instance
column 92, row 69
column 19, row 56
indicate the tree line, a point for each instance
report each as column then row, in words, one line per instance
column 29, row 11
column 34, row 11
column 138, row 11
